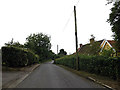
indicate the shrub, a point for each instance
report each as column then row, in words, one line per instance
column 17, row 57
column 101, row 65
column 32, row 57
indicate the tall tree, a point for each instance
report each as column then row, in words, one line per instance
column 40, row 44
column 114, row 20
column 62, row 52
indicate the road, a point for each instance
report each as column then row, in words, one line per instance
column 48, row 75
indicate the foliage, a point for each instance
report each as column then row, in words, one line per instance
column 100, row 65
column 15, row 44
column 62, row 52
column 114, row 20
column 51, row 55
column 107, row 52
column 39, row 44
column 56, row 56
column 18, row 57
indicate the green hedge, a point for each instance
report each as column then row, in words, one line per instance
column 17, row 57
column 105, row 66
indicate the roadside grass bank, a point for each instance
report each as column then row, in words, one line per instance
column 6, row 68
column 104, row 80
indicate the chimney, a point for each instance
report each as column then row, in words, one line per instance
column 80, row 45
column 92, row 40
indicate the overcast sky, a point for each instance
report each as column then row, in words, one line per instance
column 20, row 18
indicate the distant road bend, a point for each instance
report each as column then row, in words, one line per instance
column 48, row 75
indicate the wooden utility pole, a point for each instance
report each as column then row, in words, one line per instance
column 77, row 61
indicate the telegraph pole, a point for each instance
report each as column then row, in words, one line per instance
column 76, row 39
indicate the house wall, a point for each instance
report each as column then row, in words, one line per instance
column 107, row 47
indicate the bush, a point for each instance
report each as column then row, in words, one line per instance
column 17, row 57
column 94, row 64
column 32, row 57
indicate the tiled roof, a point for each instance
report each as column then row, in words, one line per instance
column 86, row 49
column 112, row 42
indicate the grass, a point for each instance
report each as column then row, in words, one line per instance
column 106, row 80
column 45, row 61
column 5, row 68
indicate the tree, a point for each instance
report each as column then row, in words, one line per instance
column 62, row 52
column 51, row 55
column 39, row 44
column 114, row 20
column 14, row 44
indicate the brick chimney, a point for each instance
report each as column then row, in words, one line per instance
column 92, row 40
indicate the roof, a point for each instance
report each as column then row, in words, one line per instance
column 112, row 42
column 89, row 50
column 86, row 49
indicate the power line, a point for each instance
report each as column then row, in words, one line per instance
column 68, row 20
column 77, row 3
column 70, row 16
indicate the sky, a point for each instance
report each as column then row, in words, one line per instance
column 20, row 18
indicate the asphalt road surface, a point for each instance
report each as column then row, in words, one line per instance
column 48, row 75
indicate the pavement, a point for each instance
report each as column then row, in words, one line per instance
column 11, row 79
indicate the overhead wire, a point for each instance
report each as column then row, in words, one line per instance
column 66, row 24
column 77, row 3
column 68, row 20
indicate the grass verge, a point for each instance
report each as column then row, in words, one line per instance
column 5, row 68
column 105, row 80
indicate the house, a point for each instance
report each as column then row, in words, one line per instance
column 95, row 47
column 107, row 44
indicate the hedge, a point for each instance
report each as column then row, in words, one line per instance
column 105, row 66
column 17, row 57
